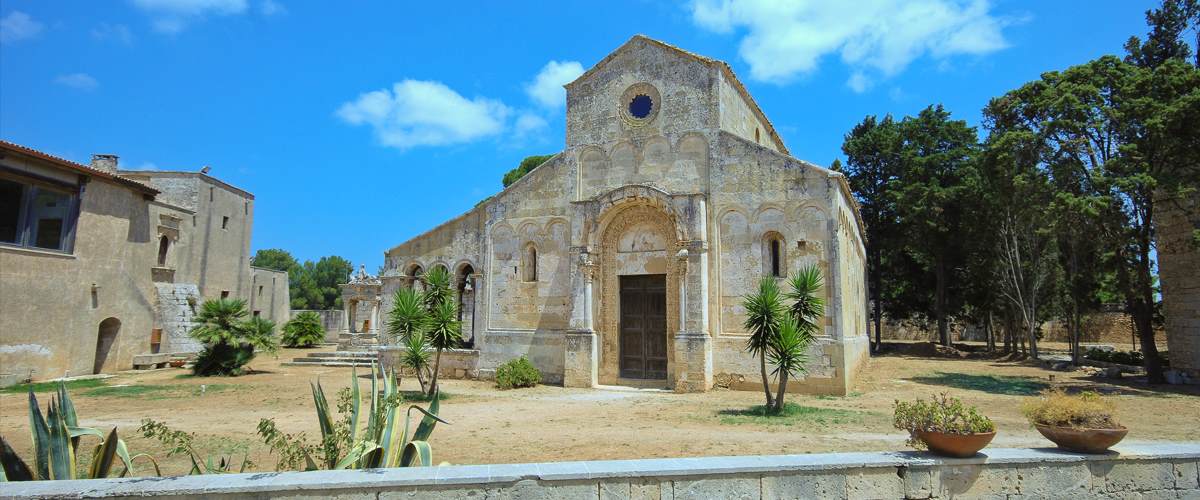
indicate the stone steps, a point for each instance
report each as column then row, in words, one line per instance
column 336, row 358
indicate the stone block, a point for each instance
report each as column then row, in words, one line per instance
column 976, row 481
column 1134, row 475
column 874, row 483
column 529, row 489
column 918, row 482
column 650, row 489
column 726, row 487
column 781, row 487
column 1055, row 481
column 1187, row 475
column 614, row 490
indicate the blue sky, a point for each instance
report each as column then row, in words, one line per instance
column 360, row 125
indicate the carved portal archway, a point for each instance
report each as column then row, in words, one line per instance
column 634, row 222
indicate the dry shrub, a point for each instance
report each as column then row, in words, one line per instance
column 1086, row 410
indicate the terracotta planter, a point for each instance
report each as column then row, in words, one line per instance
column 178, row 363
column 1083, row 440
column 955, row 445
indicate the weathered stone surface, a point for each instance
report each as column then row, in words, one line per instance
column 783, row 487
column 724, row 487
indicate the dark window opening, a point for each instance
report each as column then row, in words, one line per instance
column 260, row 290
column 210, row 194
column 224, row 294
column 256, row 313
column 530, row 264
column 640, row 106
column 756, row 137
column 163, row 244
column 775, row 268
column 246, row 208
column 36, row 216
column 225, row 222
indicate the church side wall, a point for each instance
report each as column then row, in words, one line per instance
column 759, row 194
column 523, row 316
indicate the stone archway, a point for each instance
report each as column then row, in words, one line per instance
column 637, row 238
column 106, row 337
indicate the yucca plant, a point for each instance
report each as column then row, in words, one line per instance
column 56, row 440
column 304, row 330
column 407, row 315
column 443, row 331
column 384, row 442
column 789, row 347
column 764, row 310
column 437, row 288
column 416, row 356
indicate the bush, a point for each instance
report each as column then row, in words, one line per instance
column 941, row 414
column 304, row 330
column 1133, row 358
column 1087, row 410
column 517, row 373
column 229, row 339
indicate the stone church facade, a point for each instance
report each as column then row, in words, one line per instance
column 623, row 259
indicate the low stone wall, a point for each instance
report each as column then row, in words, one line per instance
column 456, row 363
column 1137, row 471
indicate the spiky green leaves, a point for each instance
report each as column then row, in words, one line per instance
column 764, row 310
column 303, row 330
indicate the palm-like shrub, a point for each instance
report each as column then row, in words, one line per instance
column 763, row 314
column 789, row 347
column 416, row 356
column 304, row 330
column 443, row 331
column 407, row 315
column 437, row 288
column 229, row 340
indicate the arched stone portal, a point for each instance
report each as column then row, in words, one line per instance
column 652, row 244
column 637, row 245
column 106, row 337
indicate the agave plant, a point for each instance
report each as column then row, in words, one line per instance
column 384, row 442
column 56, row 440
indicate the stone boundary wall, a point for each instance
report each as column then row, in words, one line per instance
column 1137, row 471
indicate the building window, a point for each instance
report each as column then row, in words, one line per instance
column 256, row 313
column 225, row 222
column 756, row 137
column 529, row 263
column 260, row 290
column 36, row 216
column 164, row 244
column 246, row 208
column 774, row 255
column 224, row 294
column 210, row 194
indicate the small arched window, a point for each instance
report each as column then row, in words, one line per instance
column 774, row 255
column 529, row 263
column 164, row 244
column 757, row 140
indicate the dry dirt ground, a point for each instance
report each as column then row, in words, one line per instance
column 552, row 423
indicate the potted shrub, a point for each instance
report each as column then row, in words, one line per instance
column 944, row 425
column 1082, row 422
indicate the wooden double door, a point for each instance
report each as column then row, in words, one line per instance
column 643, row 327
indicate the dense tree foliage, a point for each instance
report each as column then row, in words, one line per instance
column 527, row 165
column 1051, row 214
column 312, row 285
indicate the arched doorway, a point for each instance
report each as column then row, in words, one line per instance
column 106, row 337
column 466, row 303
column 639, row 290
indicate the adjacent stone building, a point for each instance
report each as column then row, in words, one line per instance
column 102, row 269
column 624, row 258
column 1177, row 221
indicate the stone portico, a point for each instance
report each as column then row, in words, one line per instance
column 623, row 259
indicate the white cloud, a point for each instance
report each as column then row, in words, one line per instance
column 271, row 8
column 783, row 40
column 18, row 25
column 171, row 16
column 425, row 113
column 546, row 89
column 118, row 32
column 81, row 81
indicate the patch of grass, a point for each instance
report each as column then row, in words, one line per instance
column 792, row 414
column 995, row 384
column 72, row 385
column 827, row 397
column 421, row 396
column 155, row 392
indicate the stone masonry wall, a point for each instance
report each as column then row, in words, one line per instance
column 1179, row 270
column 1146, row 471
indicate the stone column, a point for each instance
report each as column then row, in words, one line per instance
column 345, row 315
column 375, row 316
column 580, row 363
column 693, row 344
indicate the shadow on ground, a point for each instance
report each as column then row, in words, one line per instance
column 994, row 384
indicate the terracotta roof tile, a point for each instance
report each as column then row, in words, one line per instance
column 78, row 167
